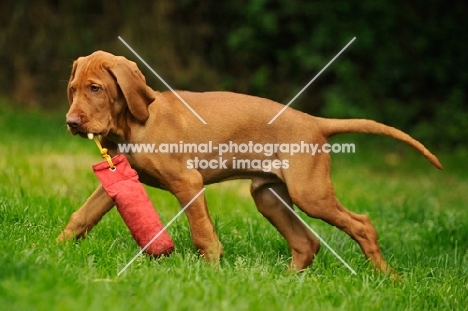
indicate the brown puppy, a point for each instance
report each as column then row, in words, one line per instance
column 108, row 96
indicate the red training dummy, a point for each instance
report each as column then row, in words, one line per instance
column 134, row 205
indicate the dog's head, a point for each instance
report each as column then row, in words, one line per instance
column 105, row 90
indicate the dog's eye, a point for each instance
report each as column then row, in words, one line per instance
column 95, row 88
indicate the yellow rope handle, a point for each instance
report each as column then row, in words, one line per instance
column 104, row 154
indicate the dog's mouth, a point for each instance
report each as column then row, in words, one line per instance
column 85, row 129
column 86, row 134
column 89, row 135
column 80, row 125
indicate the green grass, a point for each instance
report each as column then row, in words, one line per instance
column 419, row 212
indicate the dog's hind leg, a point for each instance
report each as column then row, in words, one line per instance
column 302, row 243
column 313, row 193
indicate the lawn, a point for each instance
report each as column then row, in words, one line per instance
column 419, row 212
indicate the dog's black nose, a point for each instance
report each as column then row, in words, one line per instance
column 73, row 121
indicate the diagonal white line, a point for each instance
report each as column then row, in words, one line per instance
column 162, row 80
column 160, row 232
column 310, row 82
column 313, row 231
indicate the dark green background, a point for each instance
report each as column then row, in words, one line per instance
column 407, row 67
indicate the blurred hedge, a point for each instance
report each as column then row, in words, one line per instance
column 407, row 67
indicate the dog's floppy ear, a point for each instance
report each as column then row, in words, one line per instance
column 132, row 83
column 72, row 76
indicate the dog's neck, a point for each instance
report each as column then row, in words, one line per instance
column 124, row 128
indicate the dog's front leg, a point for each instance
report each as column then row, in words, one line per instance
column 203, row 233
column 88, row 215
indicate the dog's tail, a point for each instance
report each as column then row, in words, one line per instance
column 330, row 127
